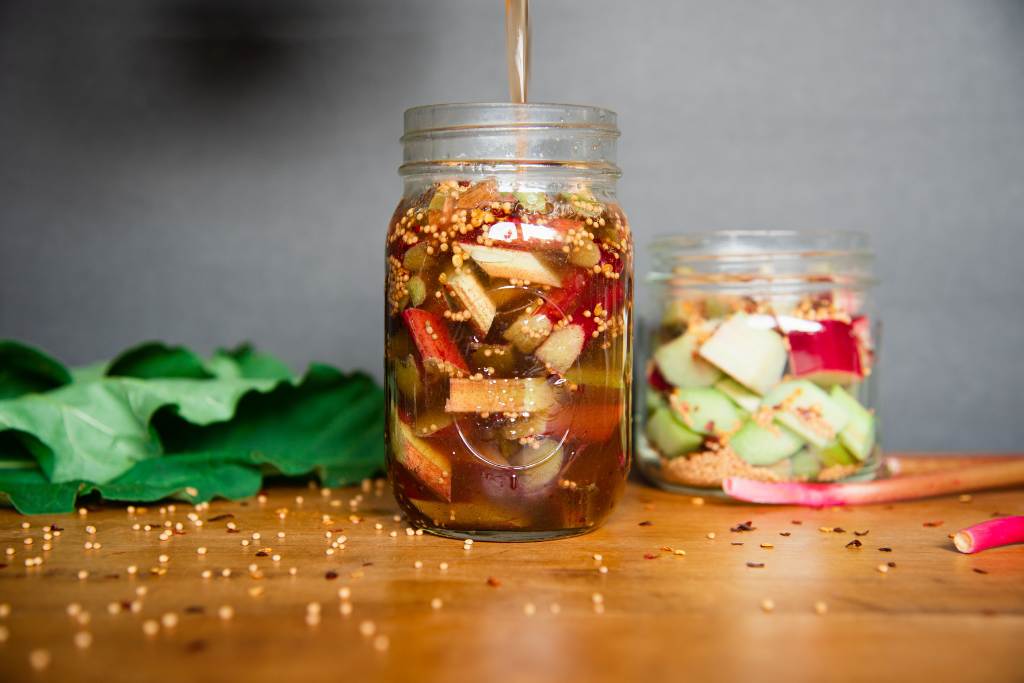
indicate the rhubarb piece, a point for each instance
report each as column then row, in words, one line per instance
column 705, row 411
column 991, row 534
column 764, row 445
column 562, row 347
column 828, row 355
column 805, row 464
column 541, row 462
column 583, row 252
column 470, row 515
column 518, row 427
column 499, row 395
column 417, row 290
column 609, row 376
column 407, row 378
column 655, row 400
column 438, row 351
column 656, row 380
column 834, row 454
column 679, row 363
column 970, row 478
column 740, row 395
column 429, row 465
column 515, row 233
column 416, row 257
column 670, row 436
column 512, row 264
column 471, row 294
column 528, row 331
column 859, row 433
column 534, row 202
column 753, row 356
column 807, row 410
column 480, row 194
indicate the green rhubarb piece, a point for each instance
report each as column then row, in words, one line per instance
column 753, row 355
column 416, row 257
column 535, row 202
column 437, row 201
column 680, row 365
column 407, row 377
column 583, row 203
column 805, row 464
column 670, row 436
column 740, row 395
column 859, row 433
column 417, row 290
column 705, row 411
column 764, row 445
column 835, row 454
column 655, row 400
column 807, row 410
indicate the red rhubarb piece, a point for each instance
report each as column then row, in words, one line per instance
column 827, row 355
column 437, row 349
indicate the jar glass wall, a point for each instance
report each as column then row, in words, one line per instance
column 759, row 356
column 508, row 322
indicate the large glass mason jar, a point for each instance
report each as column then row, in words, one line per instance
column 759, row 355
column 508, row 333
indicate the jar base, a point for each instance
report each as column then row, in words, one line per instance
column 506, row 535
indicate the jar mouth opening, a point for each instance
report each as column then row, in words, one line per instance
column 480, row 116
column 776, row 259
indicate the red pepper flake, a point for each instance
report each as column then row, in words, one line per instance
column 838, row 530
column 262, row 553
column 743, row 526
column 218, row 518
column 367, row 564
column 784, row 533
column 3, row 566
column 976, row 570
column 54, row 527
column 646, row 523
column 195, row 609
column 736, row 543
column 197, row 645
column 862, row 533
column 891, row 564
column 797, row 522
column 855, row 543
column 755, row 565
column 884, row 549
column 493, row 582
column 331, row 575
column 650, row 556
column 937, row 522
column 233, row 531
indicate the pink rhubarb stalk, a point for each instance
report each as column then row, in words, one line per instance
column 990, row 534
column 970, row 478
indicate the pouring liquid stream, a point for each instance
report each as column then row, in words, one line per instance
column 517, row 48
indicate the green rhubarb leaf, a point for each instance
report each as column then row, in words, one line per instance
column 154, row 360
column 24, row 370
column 330, row 423
column 96, row 431
column 244, row 361
column 195, row 478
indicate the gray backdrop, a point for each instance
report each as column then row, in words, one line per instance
column 209, row 171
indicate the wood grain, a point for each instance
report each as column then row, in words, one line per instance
column 665, row 616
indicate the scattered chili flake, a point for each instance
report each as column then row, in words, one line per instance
column 262, row 553
column 736, row 543
column 54, row 527
column 195, row 609
column 855, row 543
column 331, row 575
column 755, row 565
column 650, row 556
column 3, row 565
column 797, row 522
column 891, row 564
column 493, row 582
column 937, row 522
column 666, row 548
column 998, row 514
column 367, row 564
column 977, row 570
column 233, row 531
column 218, row 518
column 646, row 523
column 838, row 530
column 885, row 549
column 784, row 533
column 743, row 526
column 862, row 533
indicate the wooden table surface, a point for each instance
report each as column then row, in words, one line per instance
column 515, row 612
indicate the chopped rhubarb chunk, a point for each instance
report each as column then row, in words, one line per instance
column 438, row 351
column 561, row 349
column 512, row 264
column 499, row 395
column 424, row 461
column 827, row 355
column 586, row 422
column 515, row 233
column 474, row 298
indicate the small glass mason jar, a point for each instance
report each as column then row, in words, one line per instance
column 759, row 353
column 508, row 322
